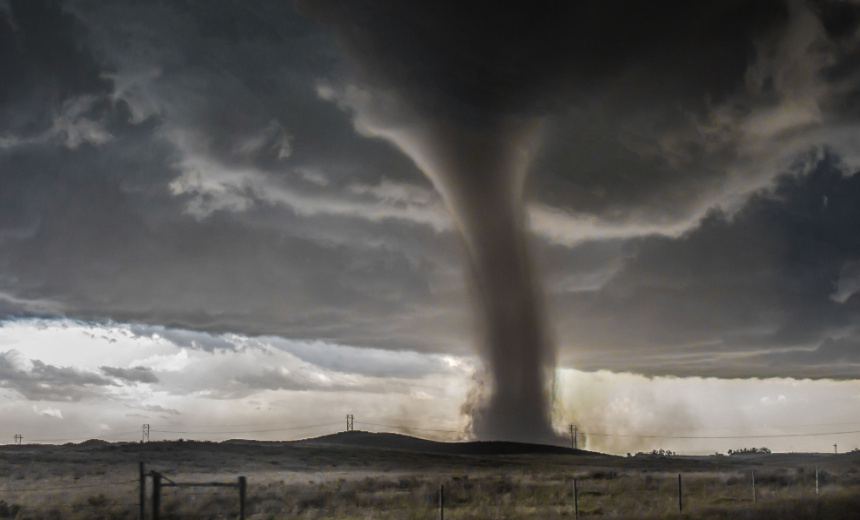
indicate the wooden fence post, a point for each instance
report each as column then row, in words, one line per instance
column 680, row 503
column 156, row 494
column 755, row 499
column 816, row 479
column 243, row 483
column 142, row 514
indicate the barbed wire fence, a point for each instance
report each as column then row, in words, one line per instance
column 592, row 492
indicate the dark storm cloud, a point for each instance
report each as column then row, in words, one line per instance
column 37, row 381
column 198, row 168
column 668, row 137
column 470, row 60
column 43, row 65
column 766, row 277
column 631, row 92
column 178, row 168
column 132, row 375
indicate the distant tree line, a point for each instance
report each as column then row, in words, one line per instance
column 659, row 453
column 750, row 451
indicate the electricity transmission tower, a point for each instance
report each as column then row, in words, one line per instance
column 19, row 438
column 573, row 431
column 145, row 433
column 349, row 421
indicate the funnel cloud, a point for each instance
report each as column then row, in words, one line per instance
column 476, row 144
column 481, row 175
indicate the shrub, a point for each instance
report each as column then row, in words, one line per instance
column 8, row 510
column 97, row 500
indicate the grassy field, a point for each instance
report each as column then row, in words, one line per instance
column 363, row 479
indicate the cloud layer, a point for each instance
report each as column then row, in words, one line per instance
column 203, row 167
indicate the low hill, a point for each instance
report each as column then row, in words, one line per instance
column 395, row 441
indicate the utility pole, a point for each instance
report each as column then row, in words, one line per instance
column 145, row 433
column 19, row 438
column 573, row 432
column 834, row 449
column 349, row 422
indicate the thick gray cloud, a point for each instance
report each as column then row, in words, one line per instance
column 154, row 408
column 766, row 277
column 37, row 381
column 132, row 375
column 363, row 361
column 251, row 206
column 370, row 362
column 199, row 166
column 470, row 62
column 281, row 379
column 183, row 338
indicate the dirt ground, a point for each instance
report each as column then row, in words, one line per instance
column 365, row 475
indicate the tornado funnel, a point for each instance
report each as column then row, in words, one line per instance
column 481, row 174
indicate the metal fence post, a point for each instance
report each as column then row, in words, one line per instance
column 680, row 503
column 575, row 501
column 142, row 492
column 441, row 501
column 816, row 479
column 243, row 483
column 755, row 499
column 156, row 494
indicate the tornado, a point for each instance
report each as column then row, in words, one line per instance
column 445, row 83
column 461, row 87
column 481, row 175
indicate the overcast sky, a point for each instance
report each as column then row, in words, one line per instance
column 208, row 223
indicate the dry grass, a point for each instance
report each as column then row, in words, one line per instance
column 338, row 482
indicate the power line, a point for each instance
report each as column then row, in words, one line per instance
column 89, row 437
column 653, row 436
column 64, row 488
column 193, row 431
column 792, row 425
column 289, row 428
column 409, row 428
column 42, row 507
column 650, row 435
column 186, row 432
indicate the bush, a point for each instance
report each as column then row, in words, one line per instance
column 8, row 510
column 97, row 500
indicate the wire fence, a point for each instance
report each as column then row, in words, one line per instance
column 463, row 493
column 610, row 493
